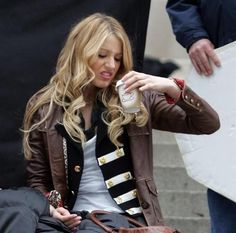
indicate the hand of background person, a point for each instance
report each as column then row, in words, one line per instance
column 202, row 54
column 145, row 82
column 70, row 220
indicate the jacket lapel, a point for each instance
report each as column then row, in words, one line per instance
column 62, row 131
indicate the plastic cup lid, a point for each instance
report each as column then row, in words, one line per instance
column 119, row 83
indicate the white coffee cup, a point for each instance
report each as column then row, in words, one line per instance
column 130, row 101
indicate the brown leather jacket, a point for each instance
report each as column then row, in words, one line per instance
column 191, row 114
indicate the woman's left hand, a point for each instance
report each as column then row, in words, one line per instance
column 70, row 220
column 145, row 82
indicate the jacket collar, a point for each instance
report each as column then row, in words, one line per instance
column 97, row 122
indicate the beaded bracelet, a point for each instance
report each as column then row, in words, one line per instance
column 54, row 198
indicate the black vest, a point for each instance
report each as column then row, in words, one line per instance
column 115, row 164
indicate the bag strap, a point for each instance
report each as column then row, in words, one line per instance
column 93, row 217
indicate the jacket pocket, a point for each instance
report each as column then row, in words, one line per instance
column 151, row 187
column 148, row 197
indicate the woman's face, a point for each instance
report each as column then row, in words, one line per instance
column 107, row 63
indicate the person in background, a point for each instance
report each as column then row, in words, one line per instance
column 200, row 26
column 84, row 151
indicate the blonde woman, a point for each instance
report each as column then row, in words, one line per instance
column 84, row 152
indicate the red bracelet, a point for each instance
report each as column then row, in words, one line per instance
column 180, row 83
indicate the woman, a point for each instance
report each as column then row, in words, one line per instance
column 81, row 143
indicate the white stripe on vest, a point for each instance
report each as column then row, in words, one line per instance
column 126, row 197
column 118, row 179
column 111, row 156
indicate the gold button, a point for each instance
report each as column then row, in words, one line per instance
column 144, row 205
column 119, row 153
column 110, row 183
column 192, row 101
column 102, row 160
column 119, row 200
column 134, row 193
column 127, row 176
column 198, row 105
column 186, row 97
column 77, row 168
column 130, row 212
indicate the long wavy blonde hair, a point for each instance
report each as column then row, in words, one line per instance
column 74, row 74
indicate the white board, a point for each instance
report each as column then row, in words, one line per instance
column 211, row 159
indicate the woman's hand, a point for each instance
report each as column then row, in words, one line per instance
column 70, row 220
column 145, row 82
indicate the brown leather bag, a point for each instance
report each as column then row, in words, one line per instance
column 140, row 228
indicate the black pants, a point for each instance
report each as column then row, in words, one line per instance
column 50, row 225
column 17, row 219
column 20, row 210
column 112, row 220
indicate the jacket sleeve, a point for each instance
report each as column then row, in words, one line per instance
column 186, row 21
column 38, row 168
column 190, row 114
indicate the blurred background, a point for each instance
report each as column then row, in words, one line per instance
column 160, row 41
column 183, row 201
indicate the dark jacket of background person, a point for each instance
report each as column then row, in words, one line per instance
column 47, row 167
column 32, row 35
column 201, row 26
column 196, row 19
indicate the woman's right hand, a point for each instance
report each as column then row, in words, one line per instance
column 70, row 220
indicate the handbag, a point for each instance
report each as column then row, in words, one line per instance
column 139, row 227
